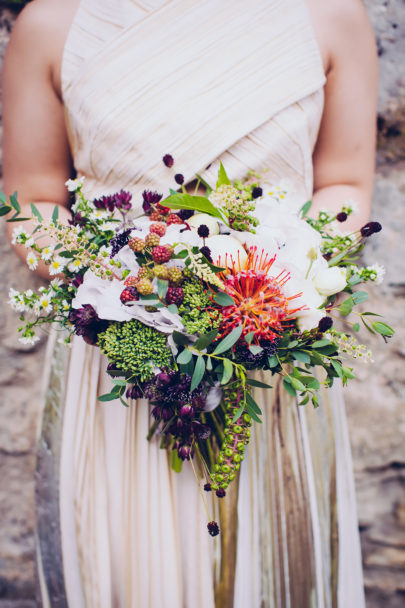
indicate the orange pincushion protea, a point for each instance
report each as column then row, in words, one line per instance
column 259, row 303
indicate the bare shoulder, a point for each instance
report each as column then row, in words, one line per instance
column 39, row 34
column 341, row 26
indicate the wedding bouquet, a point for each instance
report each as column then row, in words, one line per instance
column 191, row 298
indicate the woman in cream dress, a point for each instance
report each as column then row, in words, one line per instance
column 114, row 85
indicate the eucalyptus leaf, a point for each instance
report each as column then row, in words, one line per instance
column 288, row 387
column 229, row 340
column 180, row 338
column 257, row 383
column 383, row 329
column 228, row 371
column 300, row 356
column 321, row 343
column 184, row 357
column 173, row 308
column 346, row 307
column 359, row 297
column 107, row 397
column 249, row 337
column 255, row 349
column 297, row 384
column 223, row 299
column 198, row 373
column 206, row 339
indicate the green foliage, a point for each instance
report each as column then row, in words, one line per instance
column 135, row 348
column 193, row 310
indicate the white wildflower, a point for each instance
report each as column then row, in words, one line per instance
column 56, row 266
column 32, row 260
column 45, row 303
column 107, row 226
column 55, row 283
column 29, row 293
column 47, row 253
column 16, row 300
column 75, row 265
column 99, row 214
column 19, row 235
column 28, row 339
column 377, row 273
column 351, row 206
column 74, row 184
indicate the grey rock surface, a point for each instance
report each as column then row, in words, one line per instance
column 375, row 403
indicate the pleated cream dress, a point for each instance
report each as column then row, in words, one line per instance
column 210, row 80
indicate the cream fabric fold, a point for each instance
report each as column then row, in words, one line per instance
column 205, row 81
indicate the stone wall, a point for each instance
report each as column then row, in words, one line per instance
column 375, row 403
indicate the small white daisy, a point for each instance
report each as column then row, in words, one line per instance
column 99, row 214
column 56, row 266
column 29, row 242
column 29, row 293
column 55, row 283
column 19, row 234
column 45, row 303
column 32, row 260
column 75, row 265
column 47, row 253
column 74, row 184
column 379, row 272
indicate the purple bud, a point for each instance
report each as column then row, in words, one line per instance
column 203, row 231
column 213, row 528
column 341, row 217
column 184, row 452
column 207, row 487
column 220, row 493
column 186, row 411
column 168, row 160
column 370, row 229
column 77, row 281
column 123, row 200
column 257, row 192
column 163, row 379
column 179, row 178
column 325, row 323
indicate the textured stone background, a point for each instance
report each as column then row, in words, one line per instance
column 375, row 403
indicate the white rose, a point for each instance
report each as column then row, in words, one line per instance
column 330, row 280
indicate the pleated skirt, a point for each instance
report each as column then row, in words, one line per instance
column 117, row 528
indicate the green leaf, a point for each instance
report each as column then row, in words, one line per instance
column 229, row 340
column 188, row 201
column 198, row 373
column 251, row 403
column 55, row 214
column 162, row 286
column 255, row 349
column 305, row 208
column 36, row 213
column 175, row 461
column 356, row 327
column 359, row 297
column 321, row 343
column 346, row 307
column 3, row 198
column 14, row 202
column 257, row 383
column 4, row 210
column 337, row 367
column 206, row 339
column 223, row 299
column 348, row 373
column 238, row 412
column 272, row 361
column 173, row 308
column 253, row 414
column 297, row 384
column 228, row 371
column 310, row 382
column 288, row 387
column 119, row 382
column 223, row 179
column 300, row 356
column 249, row 337
column 383, row 329
column 184, row 357
column 108, row 397
column 305, row 400
column 180, row 338
column 67, row 254
column 209, row 364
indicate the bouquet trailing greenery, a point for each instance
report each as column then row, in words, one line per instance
column 188, row 300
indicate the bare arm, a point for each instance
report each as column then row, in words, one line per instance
column 345, row 151
column 36, row 152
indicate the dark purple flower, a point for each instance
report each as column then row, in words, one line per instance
column 77, row 281
column 105, row 202
column 184, row 452
column 119, row 241
column 203, row 231
column 134, row 392
column 87, row 323
column 179, row 178
column 206, row 251
column 213, row 528
column 77, row 220
column 123, row 200
column 185, row 214
column 220, row 493
column 341, row 217
column 370, row 229
column 150, row 198
column 207, row 487
column 186, row 412
column 325, row 323
column 168, row 160
column 202, row 431
column 257, row 192
column 162, row 379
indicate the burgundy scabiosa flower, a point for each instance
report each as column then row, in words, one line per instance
column 257, row 192
column 179, row 178
column 150, row 198
column 105, row 202
column 324, row 324
column 341, row 217
column 119, row 241
column 77, row 220
column 203, row 231
column 123, row 200
column 213, row 528
column 87, row 323
column 77, row 281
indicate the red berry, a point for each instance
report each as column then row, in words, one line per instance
column 161, row 254
column 137, row 244
column 156, row 216
column 162, row 208
column 131, row 281
column 152, row 239
column 173, row 218
column 159, row 229
column 129, row 295
column 174, row 295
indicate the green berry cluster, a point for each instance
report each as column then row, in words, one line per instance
column 236, row 438
column 194, row 309
column 239, row 205
column 135, row 348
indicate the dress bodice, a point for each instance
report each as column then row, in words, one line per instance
column 196, row 80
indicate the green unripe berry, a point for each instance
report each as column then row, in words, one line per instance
column 216, row 468
column 237, row 458
column 220, row 459
column 219, row 477
column 225, row 468
column 237, row 466
column 231, row 476
column 228, row 452
column 237, row 429
column 240, row 447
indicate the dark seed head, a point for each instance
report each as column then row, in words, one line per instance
column 179, row 178
column 341, row 217
column 257, row 192
column 213, row 528
column 325, row 323
column 220, row 493
column 203, row 231
column 206, row 251
column 370, row 229
column 168, row 160
column 207, row 487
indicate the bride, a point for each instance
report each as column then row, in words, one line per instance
column 105, row 88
